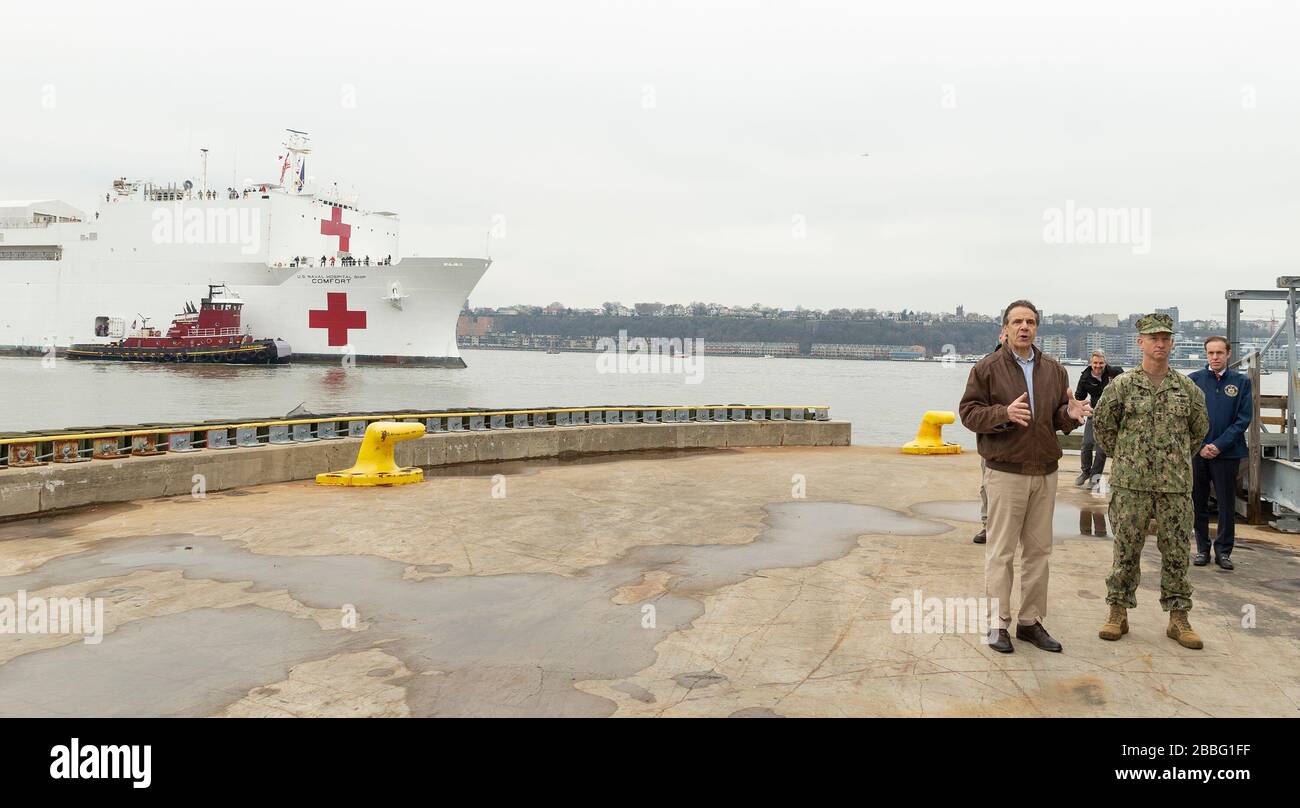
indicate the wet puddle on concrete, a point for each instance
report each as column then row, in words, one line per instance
column 491, row 645
column 191, row 663
column 1068, row 522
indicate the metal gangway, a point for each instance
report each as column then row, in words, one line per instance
column 1271, row 475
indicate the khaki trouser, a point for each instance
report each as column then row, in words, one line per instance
column 984, row 497
column 1020, row 514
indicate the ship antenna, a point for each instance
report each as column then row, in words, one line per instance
column 297, row 144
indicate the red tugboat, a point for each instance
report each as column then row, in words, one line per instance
column 211, row 333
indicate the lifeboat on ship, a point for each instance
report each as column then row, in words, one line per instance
column 211, row 333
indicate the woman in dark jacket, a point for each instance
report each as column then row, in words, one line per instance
column 1091, row 382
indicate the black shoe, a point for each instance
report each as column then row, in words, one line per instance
column 1201, row 559
column 1081, row 479
column 1223, row 561
column 1000, row 640
column 981, row 537
column 1038, row 635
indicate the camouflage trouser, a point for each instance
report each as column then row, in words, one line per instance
column 1130, row 514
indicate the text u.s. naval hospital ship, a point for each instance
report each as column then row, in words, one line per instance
column 312, row 268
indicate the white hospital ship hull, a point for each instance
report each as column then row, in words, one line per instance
column 312, row 268
column 357, row 312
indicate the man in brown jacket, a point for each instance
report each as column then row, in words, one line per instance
column 1015, row 400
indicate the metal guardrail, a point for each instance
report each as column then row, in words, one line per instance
column 1272, row 468
column 79, row 445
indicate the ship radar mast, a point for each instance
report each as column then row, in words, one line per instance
column 297, row 145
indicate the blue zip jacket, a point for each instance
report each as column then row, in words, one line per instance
column 1228, row 398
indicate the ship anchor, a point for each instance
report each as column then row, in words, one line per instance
column 395, row 296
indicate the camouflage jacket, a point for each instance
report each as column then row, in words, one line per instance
column 1151, row 434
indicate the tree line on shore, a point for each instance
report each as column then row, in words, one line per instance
column 963, row 337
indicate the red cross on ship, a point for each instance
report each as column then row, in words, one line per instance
column 336, row 318
column 334, row 226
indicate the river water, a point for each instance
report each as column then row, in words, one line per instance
column 883, row 400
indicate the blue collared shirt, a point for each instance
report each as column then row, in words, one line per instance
column 1027, row 367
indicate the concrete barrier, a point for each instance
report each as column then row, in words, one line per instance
column 32, row 491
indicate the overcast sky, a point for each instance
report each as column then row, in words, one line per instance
column 641, row 151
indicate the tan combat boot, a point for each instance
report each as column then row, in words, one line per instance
column 1181, row 630
column 1116, row 625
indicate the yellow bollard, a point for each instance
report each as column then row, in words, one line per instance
column 929, row 436
column 375, row 464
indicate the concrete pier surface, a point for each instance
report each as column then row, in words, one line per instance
column 54, row 487
column 722, row 582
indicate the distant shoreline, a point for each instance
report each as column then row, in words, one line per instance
column 930, row 360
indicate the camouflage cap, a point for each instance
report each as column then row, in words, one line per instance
column 1155, row 324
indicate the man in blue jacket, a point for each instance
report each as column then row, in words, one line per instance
column 1228, row 399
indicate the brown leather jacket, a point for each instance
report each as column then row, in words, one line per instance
column 996, row 381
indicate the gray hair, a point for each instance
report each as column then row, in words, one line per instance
column 1021, row 304
column 1098, row 352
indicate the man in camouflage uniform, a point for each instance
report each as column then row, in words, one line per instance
column 1151, row 421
